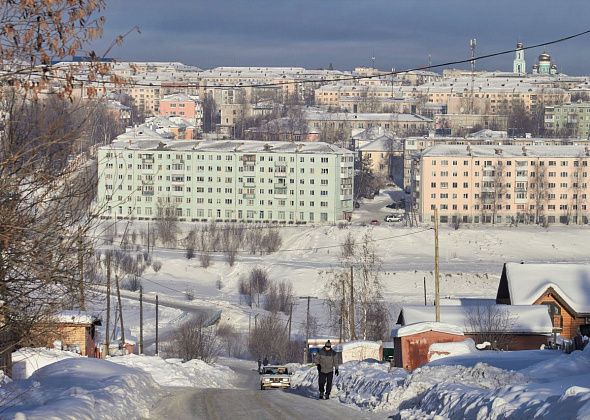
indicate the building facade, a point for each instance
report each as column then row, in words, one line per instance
column 226, row 181
column 505, row 184
column 572, row 119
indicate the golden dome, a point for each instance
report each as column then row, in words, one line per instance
column 544, row 57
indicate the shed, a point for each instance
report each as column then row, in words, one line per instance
column 563, row 289
column 74, row 330
column 412, row 342
column 359, row 350
column 527, row 326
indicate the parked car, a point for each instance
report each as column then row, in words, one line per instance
column 375, row 222
column 393, row 218
column 275, row 377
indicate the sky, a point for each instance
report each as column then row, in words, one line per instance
column 400, row 34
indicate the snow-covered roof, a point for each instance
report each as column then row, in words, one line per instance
column 421, row 327
column 524, row 152
column 384, row 143
column 526, row 282
column 523, row 319
column 74, row 317
column 355, row 344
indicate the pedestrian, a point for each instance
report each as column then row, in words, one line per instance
column 327, row 363
column 265, row 361
column 259, row 364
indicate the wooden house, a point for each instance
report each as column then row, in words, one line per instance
column 564, row 289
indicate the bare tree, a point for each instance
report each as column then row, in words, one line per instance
column 491, row 323
column 232, row 237
column 231, row 340
column 156, row 265
column 269, row 338
column 194, row 339
column 167, row 223
column 259, row 282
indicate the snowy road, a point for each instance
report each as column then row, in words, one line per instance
column 248, row 402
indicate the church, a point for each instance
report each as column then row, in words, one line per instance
column 544, row 66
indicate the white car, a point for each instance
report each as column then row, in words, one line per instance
column 275, row 377
column 393, row 218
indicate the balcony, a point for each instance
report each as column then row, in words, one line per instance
column 147, row 193
column 249, row 196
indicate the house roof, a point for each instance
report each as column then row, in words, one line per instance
column 524, row 319
column 420, row 327
column 384, row 143
column 527, row 282
column 75, row 317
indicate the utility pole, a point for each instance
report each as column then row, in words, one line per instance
column 290, row 319
column 157, row 308
column 307, row 326
column 351, row 310
column 108, row 257
column 425, row 291
column 140, row 319
column 148, row 238
column 342, row 309
column 120, row 310
column 82, row 302
column 436, row 274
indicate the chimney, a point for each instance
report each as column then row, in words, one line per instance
column 524, row 150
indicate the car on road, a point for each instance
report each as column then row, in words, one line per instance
column 391, row 218
column 374, row 222
column 275, row 377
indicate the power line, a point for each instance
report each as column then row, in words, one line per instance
column 335, row 79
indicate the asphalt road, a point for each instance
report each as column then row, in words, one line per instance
column 249, row 402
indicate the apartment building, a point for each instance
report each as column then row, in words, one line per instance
column 505, row 184
column 572, row 119
column 227, row 181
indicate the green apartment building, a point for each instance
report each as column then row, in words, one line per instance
column 568, row 120
column 225, row 181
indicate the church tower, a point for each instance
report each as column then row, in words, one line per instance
column 519, row 63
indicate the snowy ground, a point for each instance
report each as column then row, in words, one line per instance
column 483, row 385
column 471, row 264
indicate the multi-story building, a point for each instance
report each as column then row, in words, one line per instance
column 235, row 180
column 572, row 119
column 505, row 184
column 184, row 106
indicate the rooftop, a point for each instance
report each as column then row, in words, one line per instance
column 443, row 150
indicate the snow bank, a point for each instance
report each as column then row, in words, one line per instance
column 28, row 360
column 441, row 350
column 420, row 327
column 363, row 384
column 80, row 388
column 175, row 372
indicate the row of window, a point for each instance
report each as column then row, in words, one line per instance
column 509, row 163
column 507, row 207
column 245, row 158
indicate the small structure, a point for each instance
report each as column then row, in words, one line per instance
column 359, row 350
column 564, row 290
column 73, row 330
column 412, row 342
column 522, row 327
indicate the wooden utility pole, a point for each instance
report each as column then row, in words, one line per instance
column 82, row 302
column 307, row 325
column 157, row 309
column 436, row 274
column 425, row 291
column 290, row 319
column 342, row 309
column 120, row 310
column 108, row 258
column 140, row 319
column 351, row 310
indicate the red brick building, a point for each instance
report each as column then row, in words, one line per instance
column 563, row 289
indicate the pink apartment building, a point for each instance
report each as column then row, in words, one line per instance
column 178, row 105
column 505, row 184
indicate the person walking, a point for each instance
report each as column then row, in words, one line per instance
column 327, row 363
column 259, row 365
column 265, row 361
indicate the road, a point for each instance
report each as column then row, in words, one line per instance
column 249, row 402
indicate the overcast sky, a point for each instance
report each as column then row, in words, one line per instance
column 315, row 33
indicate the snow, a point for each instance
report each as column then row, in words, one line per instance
column 28, row 360
column 440, row 350
column 75, row 317
column 421, row 327
column 80, row 388
column 175, row 372
column 523, row 318
column 527, row 282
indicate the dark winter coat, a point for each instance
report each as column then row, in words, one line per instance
column 327, row 360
